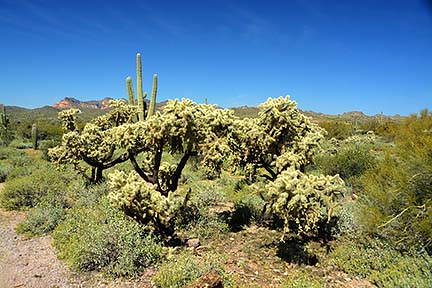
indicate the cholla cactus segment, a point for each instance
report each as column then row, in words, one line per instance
column 130, row 91
column 305, row 199
column 139, row 199
column 152, row 107
column 68, row 119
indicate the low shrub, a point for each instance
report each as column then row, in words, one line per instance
column 348, row 163
column 20, row 144
column 382, row 264
column 185, row 269
column 35, row 183
column 301, row 280
column 42, row 219
column 102, row 238
column 5, row 169
column 246, row 211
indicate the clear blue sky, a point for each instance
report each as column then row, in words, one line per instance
column 331, row 56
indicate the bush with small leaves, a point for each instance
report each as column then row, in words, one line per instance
column 382, row 264
column 184, row 269
column 25, row 191
column 102, row 238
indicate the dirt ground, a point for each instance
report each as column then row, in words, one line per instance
column 33, row 263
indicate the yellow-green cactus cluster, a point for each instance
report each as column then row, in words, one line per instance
column 68, row 118
column 281, row 137
column 140, row 199
column 305, row 199
column 184, row 128
column 96, row 144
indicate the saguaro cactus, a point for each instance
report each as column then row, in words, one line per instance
column 4, row 126
column 34, row 135
column 152, row 107
column 3, row 117
column 130, row 92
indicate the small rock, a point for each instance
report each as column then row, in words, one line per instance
column 208, row 280
column 194, row 242
column 200, row 248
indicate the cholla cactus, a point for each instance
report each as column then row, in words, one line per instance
column 68, row 119
column 95, row 145
column 183, row 128
column 281, row 137
column 140, row 200
column 34, row 135
column 307, row 200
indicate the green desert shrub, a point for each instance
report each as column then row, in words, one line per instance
column 200, row 218
column 247, row 210
column 102, row 238
column 184, row 269
column 5, row 169
column 20, row 144
column 301, row 280
column 348, row 163
column 14, row 157
column 337, row 129
column 397, row 199
column 42, row 219
column 382, row 264
column 29, row 190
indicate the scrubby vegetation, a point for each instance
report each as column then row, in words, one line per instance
column 193, row 189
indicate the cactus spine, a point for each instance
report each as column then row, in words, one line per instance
column 152, row 107
column 141, row 105
column 34, row 135
column 130, row 92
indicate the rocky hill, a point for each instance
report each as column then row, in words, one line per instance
column 70, row 102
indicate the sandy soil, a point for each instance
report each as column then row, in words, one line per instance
column 31, row 262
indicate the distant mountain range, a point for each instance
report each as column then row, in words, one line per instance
column 69, row 102
column 94, row 108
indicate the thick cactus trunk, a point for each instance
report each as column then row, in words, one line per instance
column 141, row 104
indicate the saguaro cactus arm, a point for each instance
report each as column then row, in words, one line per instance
column 152, row 107
column 130, row 91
